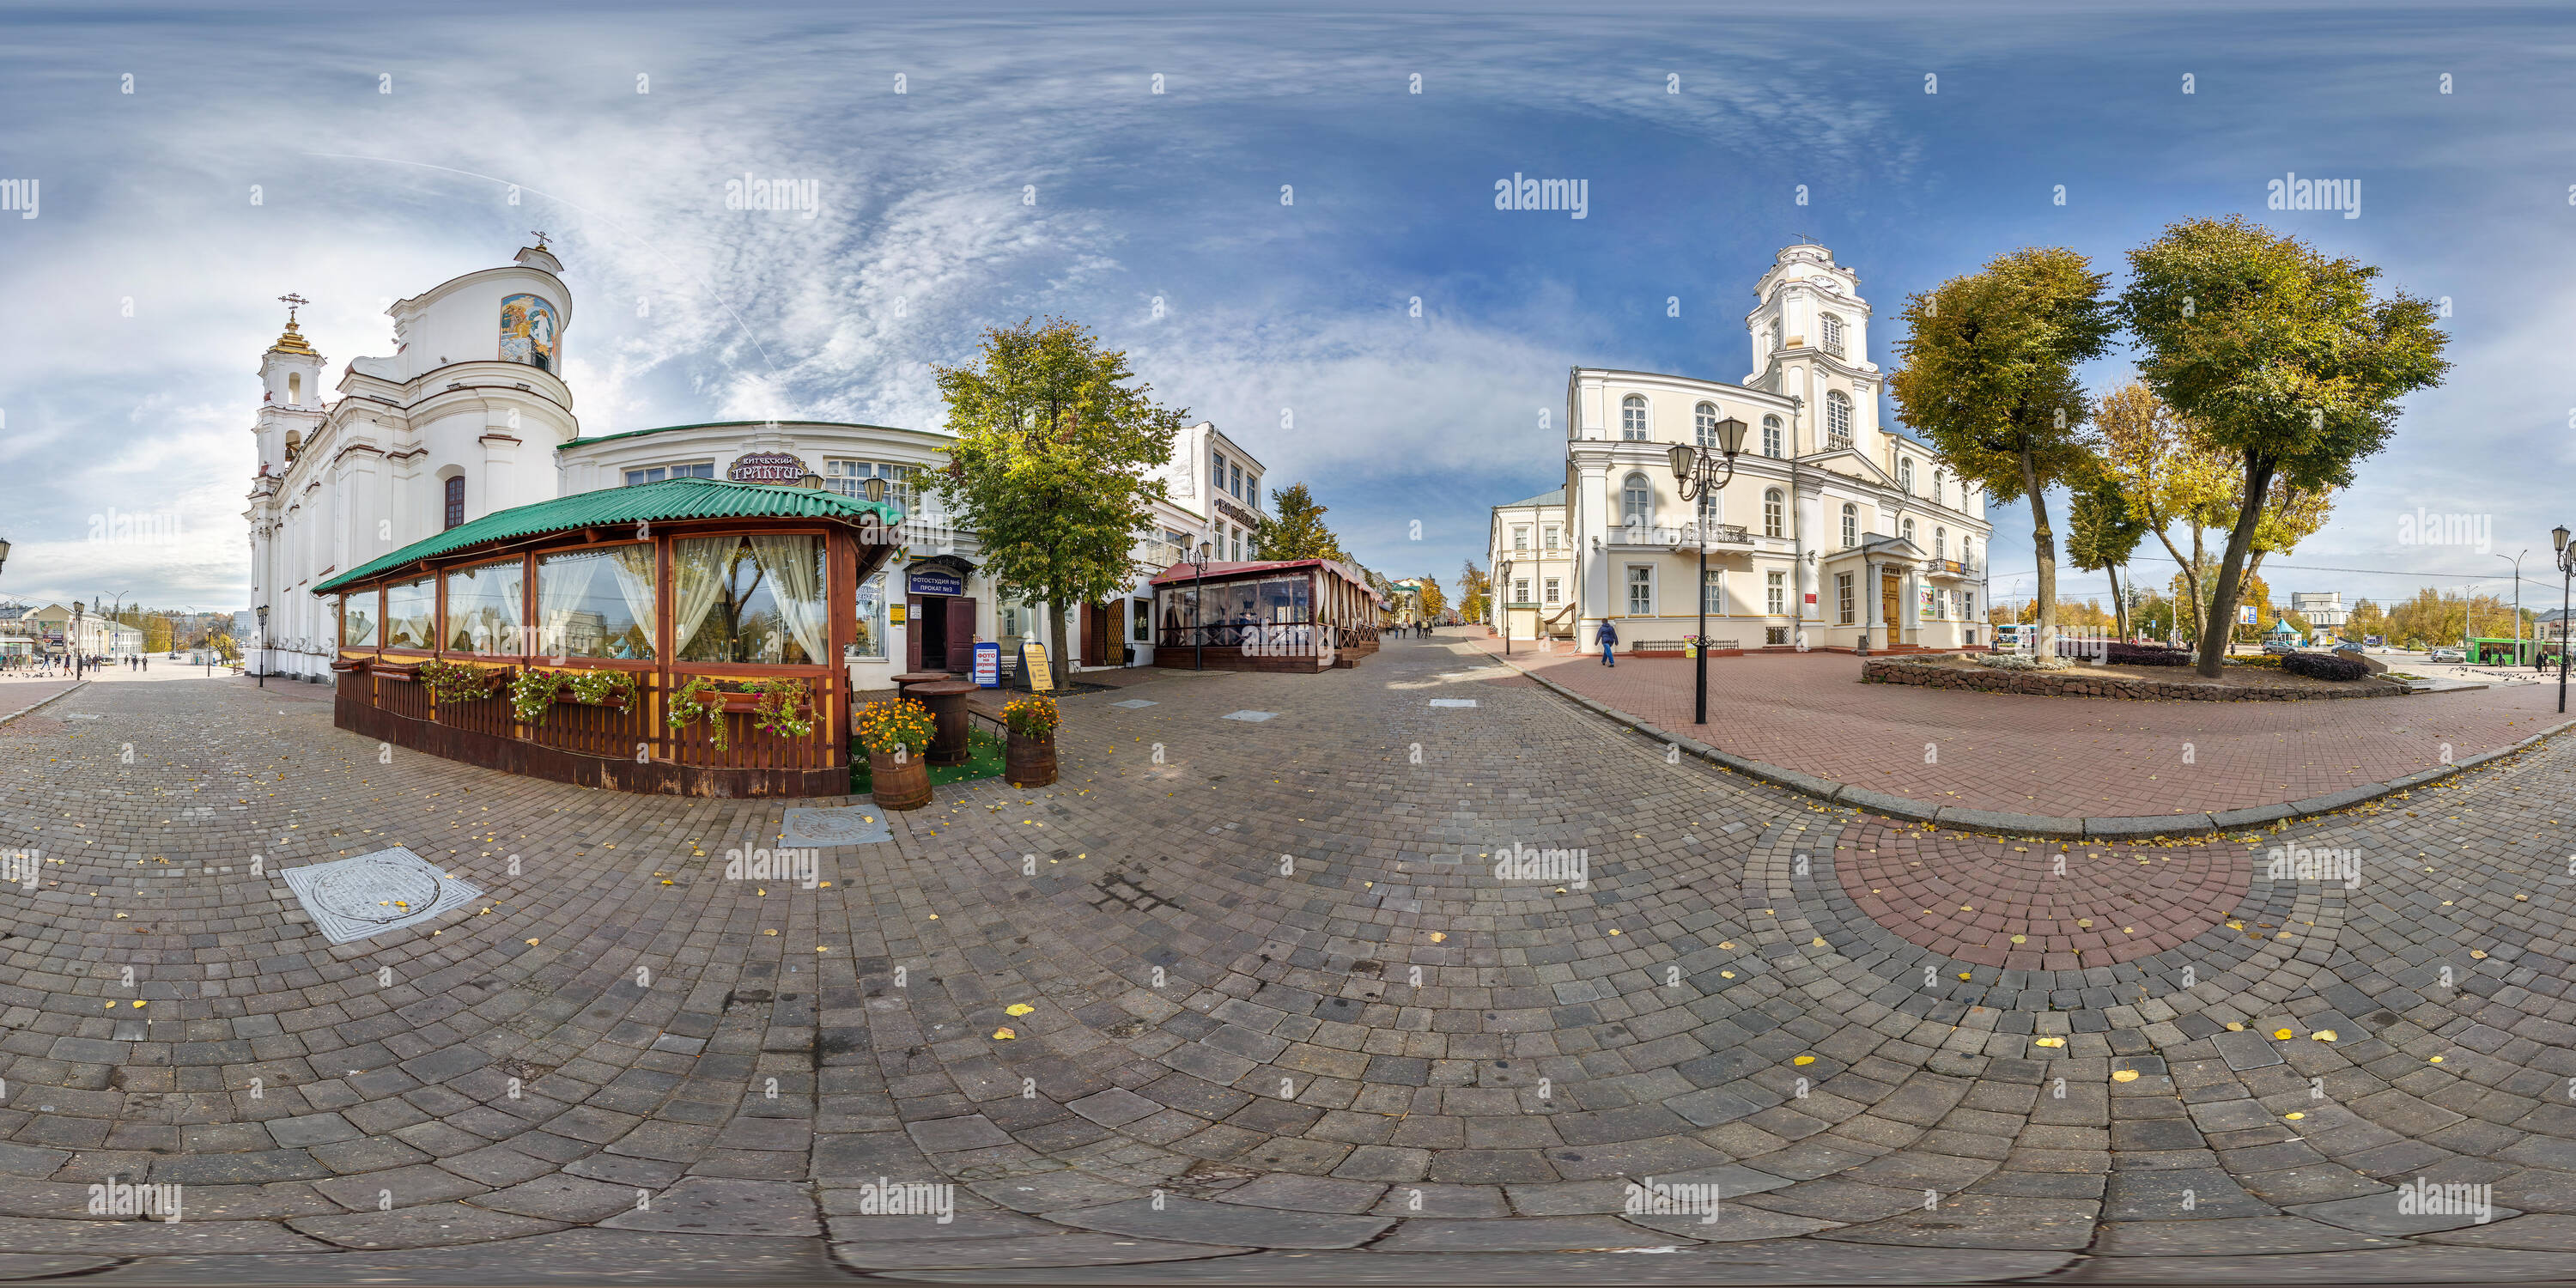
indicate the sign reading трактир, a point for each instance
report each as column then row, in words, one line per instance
column 1033, row 664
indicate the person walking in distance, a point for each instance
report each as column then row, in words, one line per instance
column 1608, row 638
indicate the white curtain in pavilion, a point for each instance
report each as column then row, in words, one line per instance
column 796, row 583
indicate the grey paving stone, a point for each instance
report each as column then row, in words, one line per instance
column 1023, row 1252
column 1191, row 1221
column 435, row 1225
column 714, row 1205
column 2232, row 1237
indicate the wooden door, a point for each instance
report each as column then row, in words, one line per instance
column 1888, row 606
column 912, row 636
column 961, row 634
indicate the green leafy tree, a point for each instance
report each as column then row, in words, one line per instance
column 1054, row 441
column 2169, row 478
column 2278, row 356
column 1989, row 376
column 2101, row 535
column 1296, row 528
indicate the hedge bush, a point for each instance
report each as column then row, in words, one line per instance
column 2123, row 653
column 2324, row 666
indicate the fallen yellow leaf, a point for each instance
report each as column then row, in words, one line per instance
column 1018, row 1008
column 1003, row 1035
column 2124, row 1075
column 2048, row 1042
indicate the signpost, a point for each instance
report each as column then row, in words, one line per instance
column 988, row 664
column 1033, row 664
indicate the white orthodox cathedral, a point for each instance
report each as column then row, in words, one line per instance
column 471, row 415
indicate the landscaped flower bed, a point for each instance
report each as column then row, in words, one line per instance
column 2094, row 683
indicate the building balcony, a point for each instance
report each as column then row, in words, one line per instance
column 1955, row 569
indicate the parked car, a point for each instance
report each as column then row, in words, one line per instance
column 2453, row 655
column 2277, row 647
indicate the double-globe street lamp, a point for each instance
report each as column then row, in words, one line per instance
column 1698, row 474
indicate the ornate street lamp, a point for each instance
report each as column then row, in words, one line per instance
column 1504, row 584
column 1198, row 589
column 263, row 646
column 1699, row 475
column 2566, row 564
column 4, row 552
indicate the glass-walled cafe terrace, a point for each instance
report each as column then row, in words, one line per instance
column 1281, row 615
column 696, row 593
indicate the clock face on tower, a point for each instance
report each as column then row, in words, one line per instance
column 528, row 328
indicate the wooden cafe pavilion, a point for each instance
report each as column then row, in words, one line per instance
column 670, row 583
column 1269, row 615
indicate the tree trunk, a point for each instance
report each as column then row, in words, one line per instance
column 1057, row 665
column 2044, row 546
column 2119, row 602
column 2222, row 607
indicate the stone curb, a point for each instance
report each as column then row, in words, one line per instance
column 2126, row 828
column 42, row 702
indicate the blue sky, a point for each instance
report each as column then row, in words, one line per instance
column 1029, row 168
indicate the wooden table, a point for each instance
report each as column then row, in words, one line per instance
column 947, row 700
column 903, row 683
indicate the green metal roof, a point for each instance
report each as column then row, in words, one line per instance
column 670, row 499
column 739, row 424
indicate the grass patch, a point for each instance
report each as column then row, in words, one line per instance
column 984, row 760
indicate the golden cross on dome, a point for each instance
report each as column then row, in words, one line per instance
column 292, row 303
column 541, row 238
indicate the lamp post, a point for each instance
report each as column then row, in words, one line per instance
column 79, row 659
column 2566, row 563
column 263, row 646
column 1504, row 584
column 1198, row 591
column 1698, row 475
column 2516, row 561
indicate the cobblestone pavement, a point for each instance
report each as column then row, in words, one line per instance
column 1245, row 1001
column 2063, row 757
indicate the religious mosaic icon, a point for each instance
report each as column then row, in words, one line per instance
column 528, row 331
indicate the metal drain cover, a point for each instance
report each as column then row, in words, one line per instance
column 373, row 893
column 821, row 827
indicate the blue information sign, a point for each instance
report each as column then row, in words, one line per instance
column 934, row 581
column 988, row 664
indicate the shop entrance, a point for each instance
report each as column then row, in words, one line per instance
column 940, row 633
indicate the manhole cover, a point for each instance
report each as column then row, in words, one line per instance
column 1133, row 704
column 373, row 893
column 1453, row 702
column 820, row 827
column 1249, row 717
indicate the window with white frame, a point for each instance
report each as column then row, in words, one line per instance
column 1641, row 591
column 1838, row 419
column 1704, row 426
column 1844, row 600
column 1775, row 593
column 1236, row 473
column 1637, row 502
column 849, row 478
column 1851, row 525
column 655, row 474
column 1940, row 543
column 1938, row 484
column 1219, row 470
column 1632, row 417
column 1771, row 437
column 1908, row 530
column 1520, row 590
column 1775, row 335
column 1774, row 518
column 1551, row 536
column 1552, row 590
column 1520, row 538
column 1905, row 474
column 1833, row 335
column 1967, row 606
column 1712, row 591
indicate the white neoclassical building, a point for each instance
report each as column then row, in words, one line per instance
column 1836, row 532
column 471, row 415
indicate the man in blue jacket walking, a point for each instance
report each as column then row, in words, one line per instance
column 1608, row 637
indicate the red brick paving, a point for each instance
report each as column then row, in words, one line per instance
column 1956, row 894
column 2063, row 757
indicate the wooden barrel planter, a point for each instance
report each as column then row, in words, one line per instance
column 1028, row 762
column 904, row 785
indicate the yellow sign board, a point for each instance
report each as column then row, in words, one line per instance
column 1033, row 664
column 894, row 614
